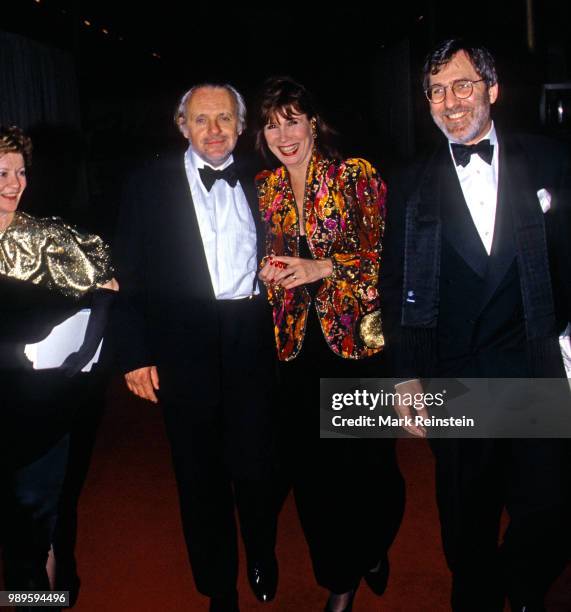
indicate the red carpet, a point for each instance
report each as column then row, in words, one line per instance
column 130, row 548
column 131, row 554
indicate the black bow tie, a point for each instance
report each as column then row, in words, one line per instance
column 463, row 153
column 209, row 176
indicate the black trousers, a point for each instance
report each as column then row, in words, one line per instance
column 223, row 448
column 475, row 480
column 349, row 493
column 88, row 405
column 28, row 518
column 33, row 461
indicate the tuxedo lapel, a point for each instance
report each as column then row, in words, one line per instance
column 517, row 199
column 249, row 188
column 188, row 256
column 191, row 258
column 503, row 245
column 458, row 228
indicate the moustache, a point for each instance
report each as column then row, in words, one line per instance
column 455, row 109
column 216, row 140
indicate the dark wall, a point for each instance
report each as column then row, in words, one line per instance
column 363, row 67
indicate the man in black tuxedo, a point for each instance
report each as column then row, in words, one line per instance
column 194, row 335
column 476, row 284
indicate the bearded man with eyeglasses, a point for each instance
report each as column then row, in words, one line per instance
column 476, row 285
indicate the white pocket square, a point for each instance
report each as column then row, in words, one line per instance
column 544, row 198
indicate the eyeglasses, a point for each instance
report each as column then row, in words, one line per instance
column 462, row 88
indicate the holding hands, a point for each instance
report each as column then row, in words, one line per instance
column 290, row 272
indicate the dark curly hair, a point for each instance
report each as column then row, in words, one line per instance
column 286, row 97
column 482, row 60
column 13, row 140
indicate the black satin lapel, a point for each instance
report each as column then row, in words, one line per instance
column 189, row 258
column 246, row 176
column 249, row 188
column 503, row 245
column 458, row 228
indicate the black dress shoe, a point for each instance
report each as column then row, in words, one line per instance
column 263, row 577
column 225, row 603
column 378, row 579
column 330, row 606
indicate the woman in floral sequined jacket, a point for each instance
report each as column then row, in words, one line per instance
column 343, row 212
column 324, row 221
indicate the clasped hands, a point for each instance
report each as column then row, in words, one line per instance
column 290, row 272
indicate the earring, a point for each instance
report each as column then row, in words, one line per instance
column 314, row 129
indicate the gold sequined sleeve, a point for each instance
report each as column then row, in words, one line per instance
column 55, row 255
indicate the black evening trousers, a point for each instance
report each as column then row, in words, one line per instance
column 475, row 480
column 349, row 492
column 222, row 446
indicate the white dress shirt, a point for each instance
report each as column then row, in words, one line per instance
column 227, row 230
column 479, row 182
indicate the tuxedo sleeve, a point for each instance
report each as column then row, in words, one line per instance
column 128, row 320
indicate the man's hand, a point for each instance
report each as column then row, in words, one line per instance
column 290, row 272
column 143, row 382
column 411, row 387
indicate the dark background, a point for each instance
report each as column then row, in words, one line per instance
column 95, row 82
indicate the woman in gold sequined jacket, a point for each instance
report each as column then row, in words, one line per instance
column 46, row 252
column 324, row 219
column 46, row 266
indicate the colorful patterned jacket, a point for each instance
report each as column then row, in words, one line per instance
column 344, row 208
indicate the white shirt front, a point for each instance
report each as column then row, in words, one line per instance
column 479, row 182
column 227, row 230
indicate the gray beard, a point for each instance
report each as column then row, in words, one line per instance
column 479, row 122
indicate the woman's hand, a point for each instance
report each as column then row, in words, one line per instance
column 112, row 285
column 290, row 272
